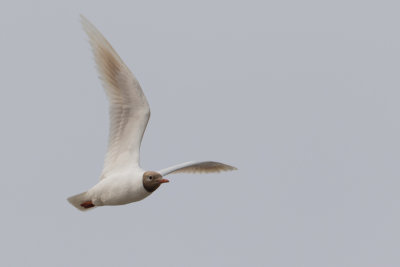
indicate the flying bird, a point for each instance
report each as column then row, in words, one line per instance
column 122, row 180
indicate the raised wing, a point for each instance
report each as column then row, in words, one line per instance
column 129, row 110
column 197, row 167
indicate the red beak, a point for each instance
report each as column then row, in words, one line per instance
column 164, row 181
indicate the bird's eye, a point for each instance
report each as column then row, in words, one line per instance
column 150, row 177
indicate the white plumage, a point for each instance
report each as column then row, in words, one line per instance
column 122, row 180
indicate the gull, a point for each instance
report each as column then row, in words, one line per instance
column 122, row 180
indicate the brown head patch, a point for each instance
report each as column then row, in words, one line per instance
column 152, row 180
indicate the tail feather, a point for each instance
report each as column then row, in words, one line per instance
column 78, row 199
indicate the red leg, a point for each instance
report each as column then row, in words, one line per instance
column 87, row 204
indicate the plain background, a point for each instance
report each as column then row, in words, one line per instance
column 301, row 96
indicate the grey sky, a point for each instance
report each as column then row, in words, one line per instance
column 301, row 96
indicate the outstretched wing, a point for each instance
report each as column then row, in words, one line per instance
column 129, row 110
column 197, row 167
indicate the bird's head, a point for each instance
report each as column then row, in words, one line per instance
column 152, row 180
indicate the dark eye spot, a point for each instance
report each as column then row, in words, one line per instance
column 150, row 177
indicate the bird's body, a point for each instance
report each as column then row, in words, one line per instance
column 119, row 189
column 123, row 180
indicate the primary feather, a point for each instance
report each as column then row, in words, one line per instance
column 197, row 167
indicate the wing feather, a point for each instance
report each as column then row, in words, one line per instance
column 129, row 110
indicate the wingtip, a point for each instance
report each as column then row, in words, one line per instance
column 87, row 26
column 231, row 168
column 83, row 18
column 223, row 166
